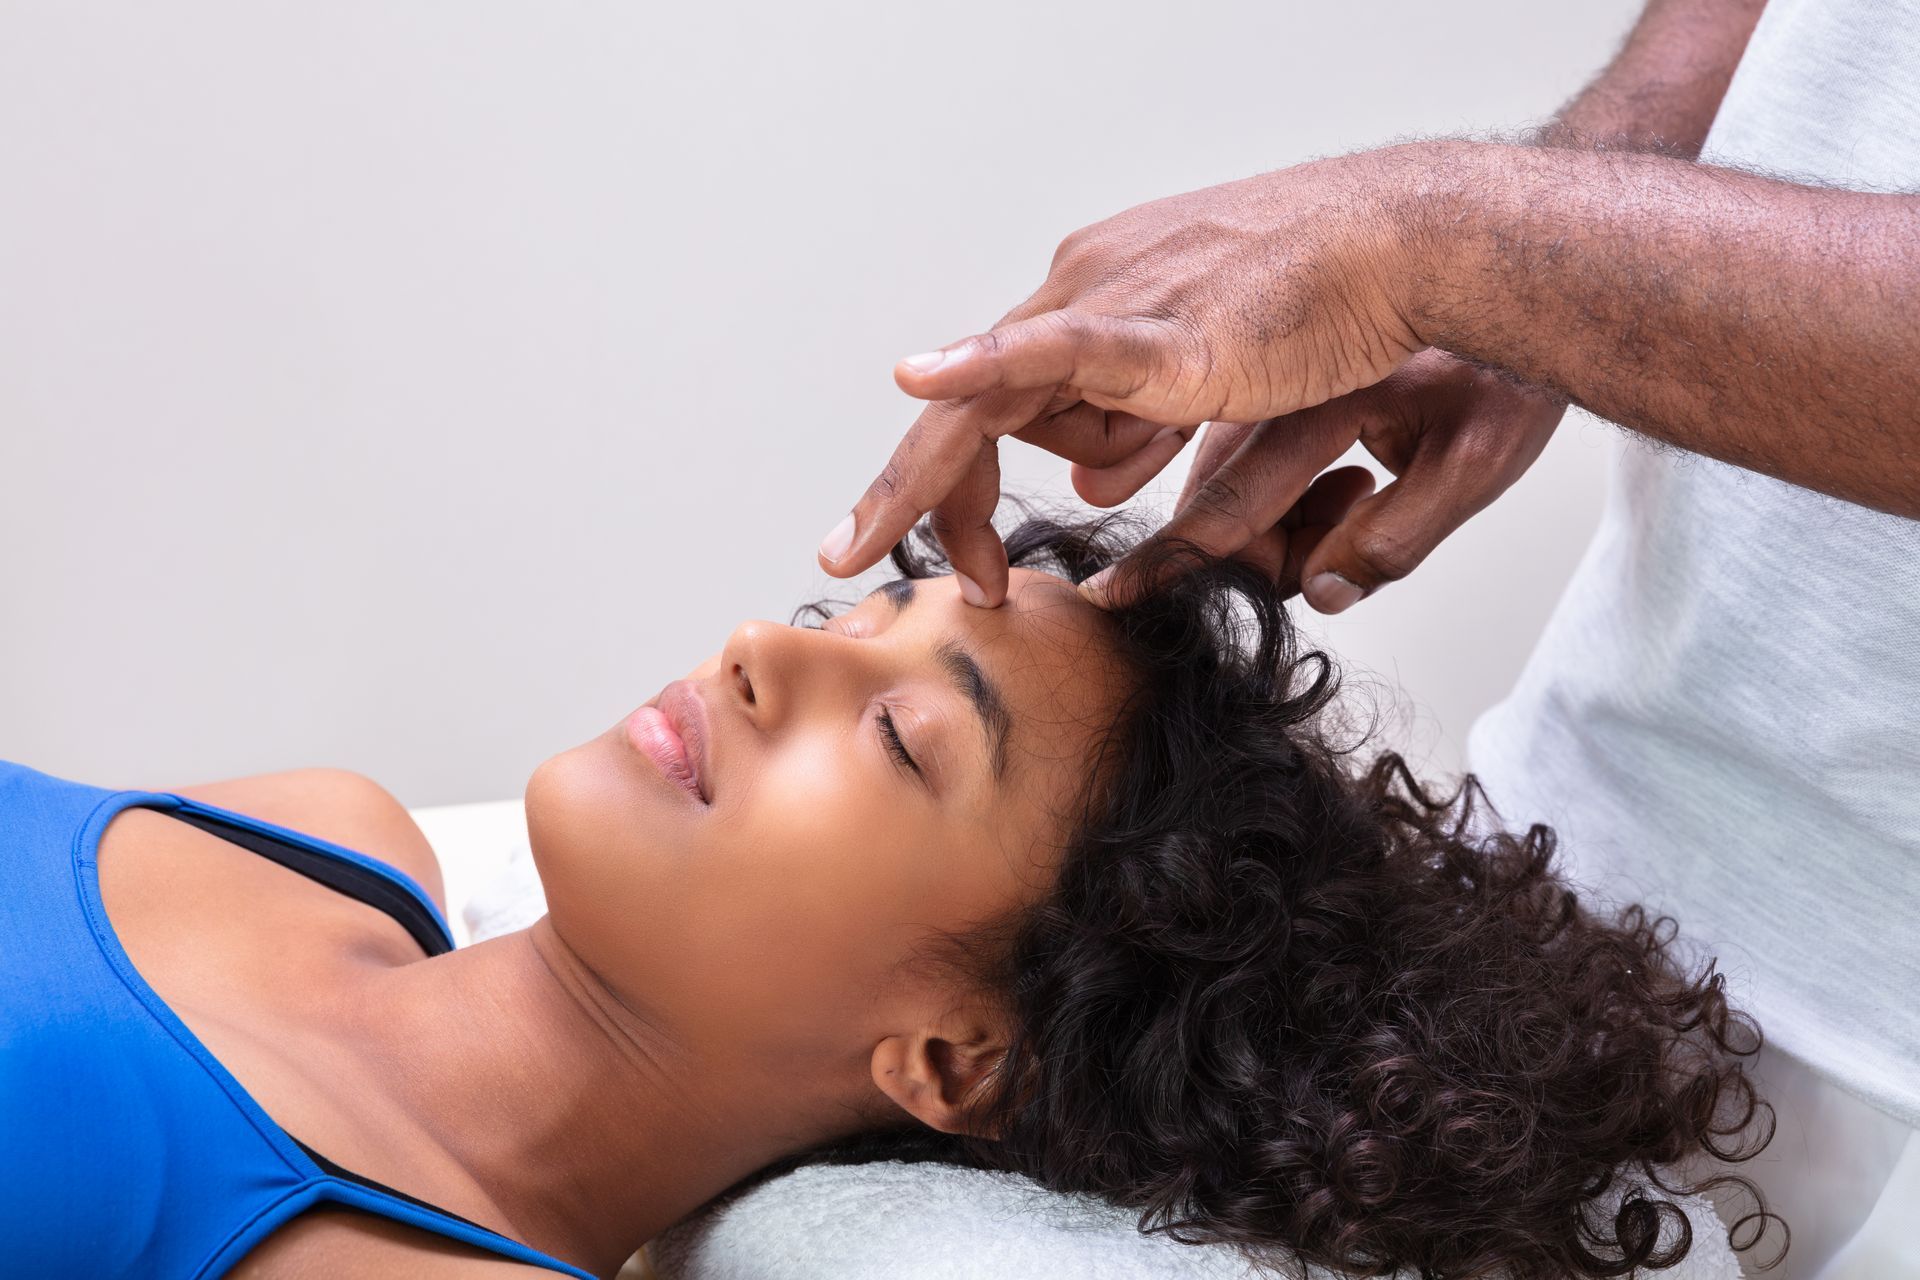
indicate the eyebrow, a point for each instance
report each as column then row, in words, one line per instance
column 967, row 677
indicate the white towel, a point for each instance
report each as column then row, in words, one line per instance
column 511, row 900
column 893, row 1221
column 475, row 843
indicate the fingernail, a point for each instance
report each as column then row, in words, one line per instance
column 1095, row 588
column 1331, row 593
column 970, row 590
column 927, row 361
column 835, row 544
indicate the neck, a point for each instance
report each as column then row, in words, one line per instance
column 569, row 1121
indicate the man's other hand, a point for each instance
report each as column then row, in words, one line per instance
column 1455, row 436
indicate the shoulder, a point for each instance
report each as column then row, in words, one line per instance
column 326, row 1242
column 336, row 805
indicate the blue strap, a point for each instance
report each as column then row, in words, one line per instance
column 350, row 1195
column 372, row 880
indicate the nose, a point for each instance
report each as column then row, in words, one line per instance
column 774, row 672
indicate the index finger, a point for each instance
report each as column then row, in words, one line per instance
column 938, row 453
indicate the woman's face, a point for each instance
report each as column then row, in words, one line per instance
column 907, row 769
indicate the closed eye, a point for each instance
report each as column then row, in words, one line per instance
column 890, row 735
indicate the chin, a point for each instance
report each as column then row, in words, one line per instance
column 596, row 821
column 581, row 804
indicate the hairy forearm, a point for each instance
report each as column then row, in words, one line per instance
column 1662, row 89
column 1770, row 325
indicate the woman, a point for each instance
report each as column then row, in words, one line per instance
column 1089, row 895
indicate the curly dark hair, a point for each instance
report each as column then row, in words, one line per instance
column 1306, row 1007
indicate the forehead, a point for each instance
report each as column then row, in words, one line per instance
column 1048, row 629
column 1049, row 651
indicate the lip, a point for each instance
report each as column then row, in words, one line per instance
column 672, row 730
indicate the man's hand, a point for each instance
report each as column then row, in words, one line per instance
column 1245, row 301
column 1767, row 324
column 1455, row 436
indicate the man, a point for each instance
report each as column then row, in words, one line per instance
column 1723, row 716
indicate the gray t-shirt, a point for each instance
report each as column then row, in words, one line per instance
column 1722, row 718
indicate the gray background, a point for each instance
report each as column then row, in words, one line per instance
column 418, row 387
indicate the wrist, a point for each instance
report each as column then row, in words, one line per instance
column 1445, row 198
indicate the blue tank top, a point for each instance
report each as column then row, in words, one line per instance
column 126, row 1149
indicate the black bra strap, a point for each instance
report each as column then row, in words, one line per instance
column 347, row 1175
column 350, row 878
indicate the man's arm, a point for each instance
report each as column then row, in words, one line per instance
column 1662, row 89
column 1767, row 324
column 1771, row 325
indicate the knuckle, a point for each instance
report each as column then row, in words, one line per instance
column 1166, row 353
column 1072, row 245
column 1221, row 505
column 886, row 486
column 1384, row 555
column 1221, row 495
column 1065, row 326
column 1058, row 345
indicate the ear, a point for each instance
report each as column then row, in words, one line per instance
column 935, row 1073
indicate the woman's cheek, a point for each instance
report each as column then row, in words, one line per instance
column 811, row 893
